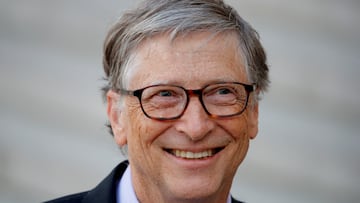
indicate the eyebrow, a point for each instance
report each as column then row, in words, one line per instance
column 184, row 83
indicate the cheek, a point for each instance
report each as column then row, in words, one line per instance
column 242, row 139
column 137, row 126
column 241, row 134
column 237, row 128
column 143, row 131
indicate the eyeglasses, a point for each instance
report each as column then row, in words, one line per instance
column 169, row 102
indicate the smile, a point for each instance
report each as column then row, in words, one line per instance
column 193, row 155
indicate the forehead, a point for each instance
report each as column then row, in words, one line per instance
column 192, row 60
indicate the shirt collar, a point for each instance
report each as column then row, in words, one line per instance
column 125, row 190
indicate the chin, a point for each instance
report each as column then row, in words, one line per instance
column 196, row 189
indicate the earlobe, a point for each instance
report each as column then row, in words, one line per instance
column 114, row 115
column 253, row 121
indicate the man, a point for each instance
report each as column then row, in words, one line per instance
column 184, row 78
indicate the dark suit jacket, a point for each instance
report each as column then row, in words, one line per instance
column 105, row 192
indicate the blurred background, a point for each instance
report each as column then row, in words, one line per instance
column 52, row 136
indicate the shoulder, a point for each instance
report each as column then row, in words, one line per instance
column 233, row 200
column 74, row 198
column 104, row 192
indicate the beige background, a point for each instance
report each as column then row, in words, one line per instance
column 52, row 136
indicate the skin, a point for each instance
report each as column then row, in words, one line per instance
column 191, row 61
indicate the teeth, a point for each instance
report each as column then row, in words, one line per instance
column 192, row 155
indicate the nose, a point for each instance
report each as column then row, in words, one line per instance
column 195, row 122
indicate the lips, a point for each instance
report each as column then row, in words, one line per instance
column 194, row 155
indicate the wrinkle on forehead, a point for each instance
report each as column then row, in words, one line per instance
column 202, row 51
column 204, row 39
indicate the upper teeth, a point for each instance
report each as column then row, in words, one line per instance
column 192, row 155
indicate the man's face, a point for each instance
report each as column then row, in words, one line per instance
column 192, row 62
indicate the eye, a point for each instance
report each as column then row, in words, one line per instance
column 223, row 91
column 221, row 94
column 165, row 93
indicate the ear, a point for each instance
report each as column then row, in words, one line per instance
column 115, row 117
column 253, row 120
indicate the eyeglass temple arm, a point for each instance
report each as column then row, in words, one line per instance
column 125, row 92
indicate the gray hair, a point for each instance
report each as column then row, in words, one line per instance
column 179, row 17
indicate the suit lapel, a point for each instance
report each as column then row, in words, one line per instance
column 105, row 192
column 235, row 201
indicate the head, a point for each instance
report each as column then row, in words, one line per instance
column 189, row 44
